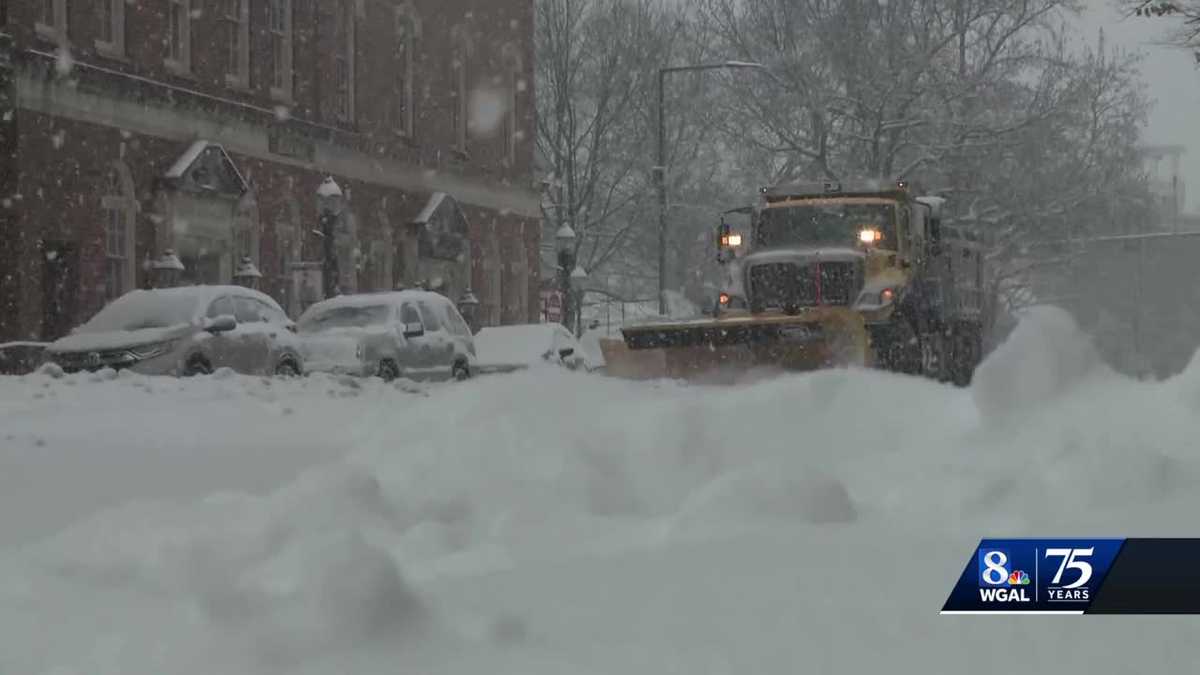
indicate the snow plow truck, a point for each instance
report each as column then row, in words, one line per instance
column 829, row 274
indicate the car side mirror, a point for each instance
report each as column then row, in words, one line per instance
column 412, row 330
column 565, row 352
column 221, row 324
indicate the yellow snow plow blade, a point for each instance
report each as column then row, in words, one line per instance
column 722, row 349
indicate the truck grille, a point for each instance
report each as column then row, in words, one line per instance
column 792, row 286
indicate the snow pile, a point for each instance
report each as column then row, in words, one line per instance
column 550, row 522
column 525, row 344
column 1046, row 355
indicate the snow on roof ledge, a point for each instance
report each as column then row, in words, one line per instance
column 189, row 157
column 185, row 160
column 329, row 188
column 435, row 200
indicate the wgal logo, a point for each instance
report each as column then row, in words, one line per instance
column 999, row 579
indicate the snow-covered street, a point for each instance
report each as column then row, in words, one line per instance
column 558, row 522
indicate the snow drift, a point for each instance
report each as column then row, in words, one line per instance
column 558, row 522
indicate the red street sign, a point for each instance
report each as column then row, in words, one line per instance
column 551, row 306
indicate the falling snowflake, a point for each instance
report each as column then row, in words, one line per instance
column 521, row 85
column 58, row 138
column 283, row 113
column 487, row 111
column 63, row 62
column 51, row 255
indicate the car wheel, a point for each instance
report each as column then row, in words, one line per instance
column 287, row 368
column 460, row 371
column 197, row 365
column 388, row 370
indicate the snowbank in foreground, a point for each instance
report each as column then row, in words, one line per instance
column 554, row 522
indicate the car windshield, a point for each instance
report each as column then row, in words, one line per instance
column 825, row 224
column 144, row 309
column 345, row 317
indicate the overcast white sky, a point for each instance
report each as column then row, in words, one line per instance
column 1173, row 80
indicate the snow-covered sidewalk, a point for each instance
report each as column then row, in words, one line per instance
column 553, row 522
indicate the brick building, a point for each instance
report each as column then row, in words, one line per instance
column 137, row 129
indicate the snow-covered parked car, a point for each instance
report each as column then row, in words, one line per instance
column 190, row 330
column 413, row 334
column 521, row 346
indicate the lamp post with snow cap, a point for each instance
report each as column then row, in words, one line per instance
column 564, row 242
column 578, row 279
column 660, row 168
column 247, row 273
column 468, row 306
column 330, row 202
column 168, row 270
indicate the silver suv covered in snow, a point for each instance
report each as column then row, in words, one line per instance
column 415, row 334
column 189, row 330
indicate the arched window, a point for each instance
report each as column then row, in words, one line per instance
column 460, row 66
column 491, row 303
column 118, row 206
column 245, row 230
column 514, row 86
column 516, row 287
column 376, row 272
column 349, row 255
column 408, row 28
column 289, row 249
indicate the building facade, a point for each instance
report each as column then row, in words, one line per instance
column 154, row 142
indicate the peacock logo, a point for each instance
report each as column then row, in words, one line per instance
column 1018, row 578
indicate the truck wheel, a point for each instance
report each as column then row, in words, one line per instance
column 388, row 370
column 934, row 361
column 460, row 371
column 967, row 354
column 197, row 365
column 896, row 348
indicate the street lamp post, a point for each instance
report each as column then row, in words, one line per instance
column 578, row 279
column 247, row 273
column 564, row 241
column 468, row 306
column 660, row 168
column 330, row 202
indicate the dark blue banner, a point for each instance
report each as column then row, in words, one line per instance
column 1033, row 576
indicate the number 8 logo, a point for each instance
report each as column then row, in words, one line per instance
column 994, row 562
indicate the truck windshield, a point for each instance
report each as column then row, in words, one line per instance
column 824, row 224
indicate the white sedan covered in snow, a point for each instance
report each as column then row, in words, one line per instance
column 517, row 347
column 191, row 330
column 414, row 334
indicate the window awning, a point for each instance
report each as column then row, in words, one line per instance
column 443, row 228
column 205, row 167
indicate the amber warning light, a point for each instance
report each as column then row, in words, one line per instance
column 731, row 240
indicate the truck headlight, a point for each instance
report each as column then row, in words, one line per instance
column 881, row 298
